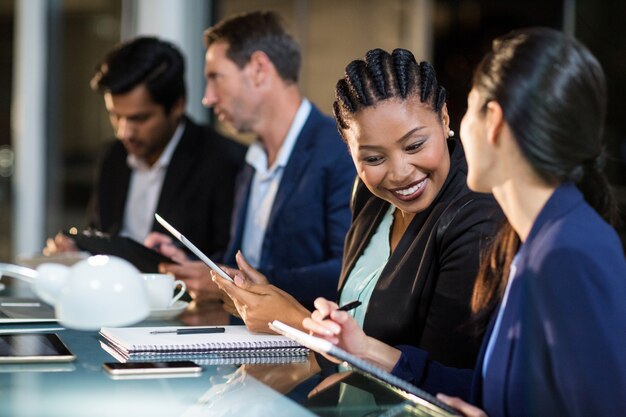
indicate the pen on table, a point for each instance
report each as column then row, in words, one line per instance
column 192, row 330
column 346, row 307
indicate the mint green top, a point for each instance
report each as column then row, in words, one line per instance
column 364, row 276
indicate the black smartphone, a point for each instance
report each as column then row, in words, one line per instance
column 152, row 368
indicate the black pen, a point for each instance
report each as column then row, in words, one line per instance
column 346, row 307
column 192, row 330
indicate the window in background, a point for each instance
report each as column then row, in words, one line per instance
column 86, row 30
column 463, row 31
column 6, row 153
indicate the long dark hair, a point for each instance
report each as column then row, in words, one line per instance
column 382, row 76
column 552, row 92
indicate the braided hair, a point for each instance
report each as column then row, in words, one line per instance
column 381, row 76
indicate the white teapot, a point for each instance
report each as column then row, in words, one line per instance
column 95, row 292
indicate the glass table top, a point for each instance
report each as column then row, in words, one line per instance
column 82, row 388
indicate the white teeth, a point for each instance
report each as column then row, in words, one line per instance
column 411, row 190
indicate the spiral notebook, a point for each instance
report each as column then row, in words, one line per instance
column 136, row 342
column 207, row 359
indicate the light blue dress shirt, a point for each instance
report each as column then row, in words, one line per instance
column 265, row 185
column 366, row 272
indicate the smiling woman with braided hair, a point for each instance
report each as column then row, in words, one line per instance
column 411, row 255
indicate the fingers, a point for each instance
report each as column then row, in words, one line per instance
column 328, row 331
column 323, row 307
column 466, row 408
column 187, row 270
column 60, row 243
column 229, row 271
column 155, row 239
column 226, row 286
column 249, row 272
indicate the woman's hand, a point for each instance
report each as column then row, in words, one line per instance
column 339, row 328
column 257, row 302
column 247, row 272
column 468, row 410
column 336, row 326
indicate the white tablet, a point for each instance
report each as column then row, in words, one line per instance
column 192, row 247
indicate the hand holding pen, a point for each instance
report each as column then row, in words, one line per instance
column 346, row 307
column 339, row 329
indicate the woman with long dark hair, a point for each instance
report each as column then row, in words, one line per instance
column 556, row 276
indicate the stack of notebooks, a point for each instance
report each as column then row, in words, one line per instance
column 236, row 345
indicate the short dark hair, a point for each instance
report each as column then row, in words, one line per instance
column 382, row 76
column 144, row 60
column 258, row 31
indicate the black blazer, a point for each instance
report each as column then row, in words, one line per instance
column 422, row 297
column 197, row 193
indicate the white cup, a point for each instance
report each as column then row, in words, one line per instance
column 161, row 290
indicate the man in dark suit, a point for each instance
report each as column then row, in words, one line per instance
column 292, row 200
column 162, row 161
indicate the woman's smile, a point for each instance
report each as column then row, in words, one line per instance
column 411, row 191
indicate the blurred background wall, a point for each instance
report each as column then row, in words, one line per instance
column 52, row 125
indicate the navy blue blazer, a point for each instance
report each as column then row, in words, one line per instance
column 561, row 348
column 303, row 244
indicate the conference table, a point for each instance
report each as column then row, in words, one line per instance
column 82, row 388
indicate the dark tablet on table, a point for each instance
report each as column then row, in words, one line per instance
column 144, row 258
column 33, row 347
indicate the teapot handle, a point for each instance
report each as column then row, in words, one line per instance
column 20, row 272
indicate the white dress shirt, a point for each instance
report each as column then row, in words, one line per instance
column 144, row 190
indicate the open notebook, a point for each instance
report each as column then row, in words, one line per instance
column 133, row 343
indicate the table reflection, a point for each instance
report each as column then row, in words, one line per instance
column 210, row 313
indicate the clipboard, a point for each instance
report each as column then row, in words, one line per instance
column 142, row 257
column 426, row 402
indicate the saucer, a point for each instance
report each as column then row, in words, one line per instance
column 170, row 312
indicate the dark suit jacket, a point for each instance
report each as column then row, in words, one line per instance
column 422, row 297
column 197, row 193
column 303, row 243
column 561, row 348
